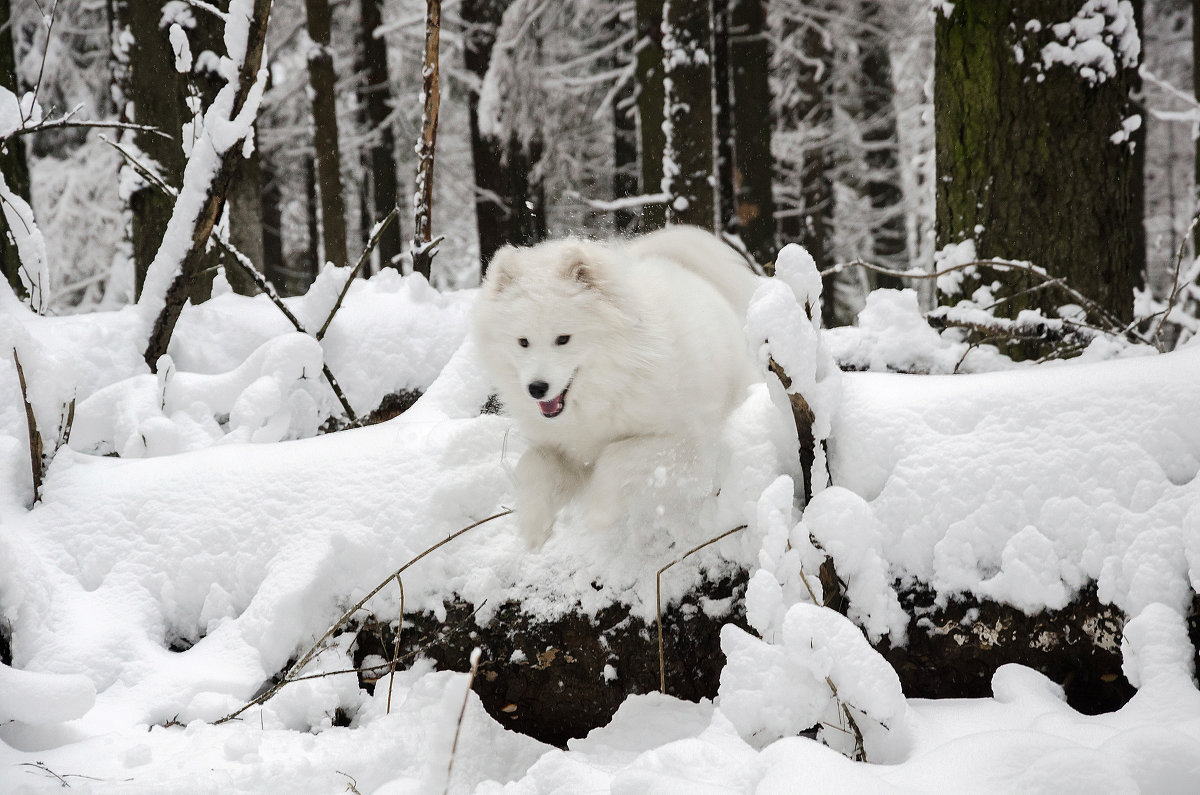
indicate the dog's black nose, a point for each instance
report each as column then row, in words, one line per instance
column 538, row 389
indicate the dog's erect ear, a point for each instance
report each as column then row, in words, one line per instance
column 501, row 270
column 581, row 268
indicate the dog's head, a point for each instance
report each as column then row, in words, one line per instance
column 542, row 314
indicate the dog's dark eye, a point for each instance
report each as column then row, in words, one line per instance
column 563, row 339
column 524, row 343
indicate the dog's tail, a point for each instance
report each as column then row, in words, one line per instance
column 704, row 254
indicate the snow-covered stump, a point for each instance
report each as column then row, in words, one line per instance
column 559, row 679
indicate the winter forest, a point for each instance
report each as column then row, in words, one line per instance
column 260, row 499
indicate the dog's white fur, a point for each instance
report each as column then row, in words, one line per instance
column 655, row 361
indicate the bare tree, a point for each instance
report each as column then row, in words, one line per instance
column 753, row 176
column 424, row 246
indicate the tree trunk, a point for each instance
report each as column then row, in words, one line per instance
column 625, row 142
column 244, row 211
column 423, row 246
column 888, row 236
column 480, row 19
column 723, row 118
column 154, row 94
column 650, row 98
column 752, row 123
column 273, row 263
column 1196, row 93
column 380, row 162
column 323, row 81
column 688, row 111
column 312, row 253
column 188, row 265
column 1034, row 161
column 13, row 162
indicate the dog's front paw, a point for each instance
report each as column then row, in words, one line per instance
column 534, row 525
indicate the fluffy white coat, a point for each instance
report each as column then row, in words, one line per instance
column 609, row 354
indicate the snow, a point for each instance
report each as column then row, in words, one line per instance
column 1101, row 38
column 149, row 596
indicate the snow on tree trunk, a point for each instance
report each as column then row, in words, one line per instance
column 323, row 81
column 151, row 91
column 220, row 143
column 650, row 98
column 688, row 113
column 1034, row 146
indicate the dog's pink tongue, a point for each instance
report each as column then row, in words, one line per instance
column 549, row 407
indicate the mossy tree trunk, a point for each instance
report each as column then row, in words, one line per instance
column 1032, row 160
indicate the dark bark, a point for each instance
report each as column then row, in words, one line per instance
column 688, row 154
column 13, row 162
column 311, row 263
column 555, row 689
column 380, row 157
column 322, row 81
column 480, row 19
column 625, row 145
column 423, row 247
column 650, row 98
column 245, row 214
column 154, row 94
column 880, row 138
column 723, row 117
column 274, row 265
column 1025, row 161
column 214, row 200
column 752, row 123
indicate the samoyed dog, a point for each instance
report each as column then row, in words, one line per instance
column 614, row 359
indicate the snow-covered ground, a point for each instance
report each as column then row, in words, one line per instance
column 226, row 529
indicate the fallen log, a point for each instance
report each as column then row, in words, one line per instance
column 555, row 680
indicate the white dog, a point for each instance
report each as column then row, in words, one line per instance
column 608, row 355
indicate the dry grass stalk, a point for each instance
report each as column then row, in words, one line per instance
column 476, row 653
column 292, row 674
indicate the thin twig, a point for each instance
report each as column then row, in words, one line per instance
column 36, row 446
column 269, row 290
column 476, row 653
column 662, row 669
column 1022, row 267
column 37, row 86
column 1175, row 285
column 860, row 749
column 304, row 660
column 65, row 122
column 358, row 266
column 396, row 646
